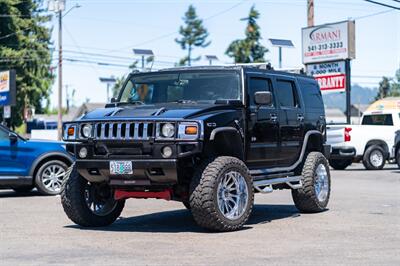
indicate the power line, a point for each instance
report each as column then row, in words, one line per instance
column 373, row 14
column 382, row 4
column 175, row 32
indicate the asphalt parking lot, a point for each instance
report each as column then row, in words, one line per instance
column 361, row 227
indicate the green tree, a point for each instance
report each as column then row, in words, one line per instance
column 395, row 87
column 24, row 46
column 389, row 87
column 193, row 34
column 249, row 49
column 384, row 88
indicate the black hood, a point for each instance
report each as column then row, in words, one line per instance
column 156, row 111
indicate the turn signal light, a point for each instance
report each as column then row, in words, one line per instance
column 71, row 131
column 191, row 130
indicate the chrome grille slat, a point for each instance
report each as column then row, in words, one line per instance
column 103, row 130
column 145, row 130
column 127, row 128
column 110, row 130
column 136, row 130
column 119, row 125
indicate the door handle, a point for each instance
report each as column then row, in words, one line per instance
column 273, row 117
column 300, row 117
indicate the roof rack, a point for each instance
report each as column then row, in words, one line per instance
column 299, row 70
column 267, row 66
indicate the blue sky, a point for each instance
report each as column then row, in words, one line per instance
column 107, row 30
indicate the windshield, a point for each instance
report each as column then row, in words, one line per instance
column 181, row 87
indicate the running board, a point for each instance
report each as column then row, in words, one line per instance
column 265, row 186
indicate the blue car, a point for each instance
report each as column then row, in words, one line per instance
column 25, row 164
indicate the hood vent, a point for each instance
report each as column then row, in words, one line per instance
column 160, row 111
column 114, row 112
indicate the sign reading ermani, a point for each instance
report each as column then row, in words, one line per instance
column 329, row 42
column 331, row 76
column 7, row 87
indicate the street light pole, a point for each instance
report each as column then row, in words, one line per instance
column 59, row 122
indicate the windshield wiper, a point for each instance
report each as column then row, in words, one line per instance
column 116, row 104
column 229, row 102
column 184, row 101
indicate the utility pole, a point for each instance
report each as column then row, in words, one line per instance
column 58, row 6
column 59, row 121
column 310, row 13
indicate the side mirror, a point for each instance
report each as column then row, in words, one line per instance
column 113, row 100
column 13, row 137
column 263, row 98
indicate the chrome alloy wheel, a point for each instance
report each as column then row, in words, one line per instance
column 321, row 184
column 99, row 199
column 376, row 158
column 52, row 177
column 232, row 195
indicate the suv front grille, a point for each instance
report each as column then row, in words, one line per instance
column 124, row 131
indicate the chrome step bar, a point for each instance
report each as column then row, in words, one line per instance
column 265, row 186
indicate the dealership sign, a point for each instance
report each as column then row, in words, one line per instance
column 331, row 76
column 329, row 42
column 7, row 87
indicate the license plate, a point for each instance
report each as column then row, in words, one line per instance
column 121, row 168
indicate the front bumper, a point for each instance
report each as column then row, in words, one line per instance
column 343, row 153
column 146, row 172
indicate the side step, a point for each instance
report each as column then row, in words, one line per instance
column 265, row 186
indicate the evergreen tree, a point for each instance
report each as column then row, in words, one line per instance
column 24, row 46
column 384, row 88
column 395, row 86
column 249, row 49
column 193, row 33
column 389, row 87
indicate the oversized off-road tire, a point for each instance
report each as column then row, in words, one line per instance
column 186, row 204
column 398, row 157
column 89, row 204
column 374, row 158
column 23, row 189
column 339, row 164
column 221, row 194
column 314, row 195
column 49, row 177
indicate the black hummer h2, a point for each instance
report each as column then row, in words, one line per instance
column 209, row 137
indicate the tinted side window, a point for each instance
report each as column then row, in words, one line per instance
column 378, row 120
column 258, row 84
column 286, row 93
column 311, row 94
column 3, row 135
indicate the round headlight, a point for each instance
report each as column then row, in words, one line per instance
column 168, row 130
column 87, row 131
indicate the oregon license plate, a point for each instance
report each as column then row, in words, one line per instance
column 121, row 168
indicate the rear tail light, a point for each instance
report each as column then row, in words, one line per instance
column 347, row 136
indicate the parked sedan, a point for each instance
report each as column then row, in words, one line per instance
column 25, row 164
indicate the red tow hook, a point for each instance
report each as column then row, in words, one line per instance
column 122, row 194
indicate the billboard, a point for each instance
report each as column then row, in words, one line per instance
column 7, row 87
column 331, row 76
column 328, row 42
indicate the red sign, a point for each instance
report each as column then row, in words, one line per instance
column 335, row 82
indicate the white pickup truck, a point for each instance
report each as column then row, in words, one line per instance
column 370, row 142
